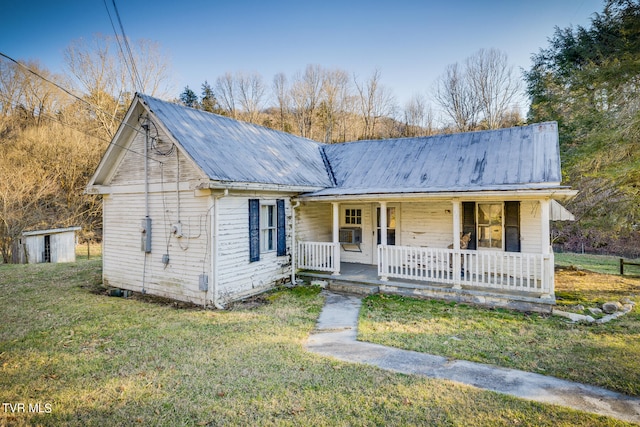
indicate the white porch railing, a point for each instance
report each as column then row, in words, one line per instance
column 507, row 271
column 319, row 256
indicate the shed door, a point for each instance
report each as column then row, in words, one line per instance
column 46, row 256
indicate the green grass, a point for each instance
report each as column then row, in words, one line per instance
column 596, row 263
column 600, row 354
column 99, row 360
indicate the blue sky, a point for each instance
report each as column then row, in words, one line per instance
column 410, row 41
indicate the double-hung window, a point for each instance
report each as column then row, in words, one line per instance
column 267, row 231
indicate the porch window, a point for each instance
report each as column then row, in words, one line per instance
column 490, row 225
column 353, row 216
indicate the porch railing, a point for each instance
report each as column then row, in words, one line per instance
column 507, row 271
column 319, row 256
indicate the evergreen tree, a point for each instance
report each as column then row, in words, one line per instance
column 189, row 98
column 208, row 102
column 587, row 80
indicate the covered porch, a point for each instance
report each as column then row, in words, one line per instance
column 395, row 255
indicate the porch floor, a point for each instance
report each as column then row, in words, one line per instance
column 363, row 279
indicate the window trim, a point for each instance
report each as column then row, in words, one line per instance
column 257, row 230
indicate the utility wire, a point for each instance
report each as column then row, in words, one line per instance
column 84, row 101
column 122, row 38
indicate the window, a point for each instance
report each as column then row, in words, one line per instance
column 353, row 216
column 268, row 227
column 267, row 230
column 490, row 225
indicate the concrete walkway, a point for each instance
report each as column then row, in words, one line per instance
column 335, row 336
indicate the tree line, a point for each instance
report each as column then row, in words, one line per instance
column 588, row 80
column 331, row 105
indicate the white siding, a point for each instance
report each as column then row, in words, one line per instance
column 530, row 227
column 237, row 276
column 428, row 224
column 162, row 169
column 126, row 266
column 313, row 222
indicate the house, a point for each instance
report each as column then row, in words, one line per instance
column 202, row 208
column 53, row 245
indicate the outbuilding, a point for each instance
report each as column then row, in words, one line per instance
column 53, row 245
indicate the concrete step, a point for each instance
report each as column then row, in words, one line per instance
column 353, row 288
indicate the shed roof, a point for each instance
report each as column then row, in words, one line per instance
column 235, row 151
column 51, row 231
column 516, row 158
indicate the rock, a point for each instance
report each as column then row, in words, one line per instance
column 594, row 310
column 574, row 317
column 579, row 307
column 627, row 301
column 626, row 308
column 611, row 307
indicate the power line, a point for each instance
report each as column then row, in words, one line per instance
column 122, row 38
column 93, row 107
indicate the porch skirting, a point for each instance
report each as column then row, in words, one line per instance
column 363, row 279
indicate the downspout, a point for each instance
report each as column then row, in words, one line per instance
column 214, row 250
column 294, row 243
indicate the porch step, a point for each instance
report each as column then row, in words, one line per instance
column 353, row 288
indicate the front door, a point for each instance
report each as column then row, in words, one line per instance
column 392, row 223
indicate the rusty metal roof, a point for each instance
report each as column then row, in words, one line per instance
column 235, row 151
column 524, row 157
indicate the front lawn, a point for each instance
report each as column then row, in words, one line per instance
column 605, row 355
column 84, row 358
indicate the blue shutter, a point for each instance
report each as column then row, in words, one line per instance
column 254, row 230
column 282, row 232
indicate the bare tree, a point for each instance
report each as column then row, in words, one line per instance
column 456, row 97
column 282, row 98
column 101, row 71
column 251, row 92
column 494, row 84
column 305, row 96
column 335, row 93
column 418, row 117
column 226, row 93
column 482, row 94
column 375, row 101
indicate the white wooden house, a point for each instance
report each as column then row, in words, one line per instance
column 203, row 208
column 52, row 245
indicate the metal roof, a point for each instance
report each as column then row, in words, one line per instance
column 51, row 231
column 230, row 150
column 227, row 150
column 524, row 157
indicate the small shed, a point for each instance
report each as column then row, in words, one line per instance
column 53, row 245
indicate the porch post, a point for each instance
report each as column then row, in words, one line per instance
column 382, row 254
column 548, row 274
column 336, row 238
column 457, row 267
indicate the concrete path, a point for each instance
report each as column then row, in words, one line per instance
column 335, row 336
